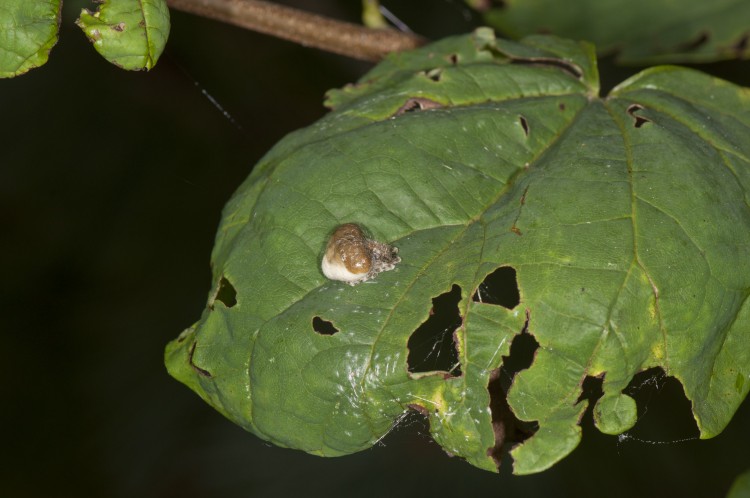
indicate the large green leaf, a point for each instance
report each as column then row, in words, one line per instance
column 128, row 33
column 28, row 31
column 625, row 218
column 641, row 30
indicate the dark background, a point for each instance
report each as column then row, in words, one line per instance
column 111, row 186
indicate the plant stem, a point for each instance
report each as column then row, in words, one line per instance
column 311, row 30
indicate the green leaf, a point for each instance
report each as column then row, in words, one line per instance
column 28, row 31
column 615, row 414
column 639, row 30
column 625, row 221
column 741, row 486
column 130, row 34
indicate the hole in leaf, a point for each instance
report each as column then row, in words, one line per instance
column 591, row 390
column 432, row 347
column 650, row 380
column 524, row 125
column 500, row 412
column 409, row 430
column 201, row 371
column 507, row 428
column 522, row 352
column 453, row 58
column 434, row 74
column 323, row 327
column 417, row 104
column 664, row 412
column 226, row 294
column 499, row 287
column 639, row 120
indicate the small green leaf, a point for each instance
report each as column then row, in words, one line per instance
column 623, row 220
column 741, row 486
column 615, row 414
column 128, row 33
column 28, row 31
column 638, row 30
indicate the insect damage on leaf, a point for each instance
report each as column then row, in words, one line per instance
column 225, row 293
column 601, row 237
column 433, row 346
column 638, row 120
column 415, row 104
column 499, row 287
column 323, row 327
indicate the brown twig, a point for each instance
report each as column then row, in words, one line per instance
column 307, row 29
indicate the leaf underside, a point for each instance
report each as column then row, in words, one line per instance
column 626, row 220
column 640, row 31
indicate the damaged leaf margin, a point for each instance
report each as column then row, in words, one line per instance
column 641, row 271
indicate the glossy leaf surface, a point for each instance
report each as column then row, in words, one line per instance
column 625, row 221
